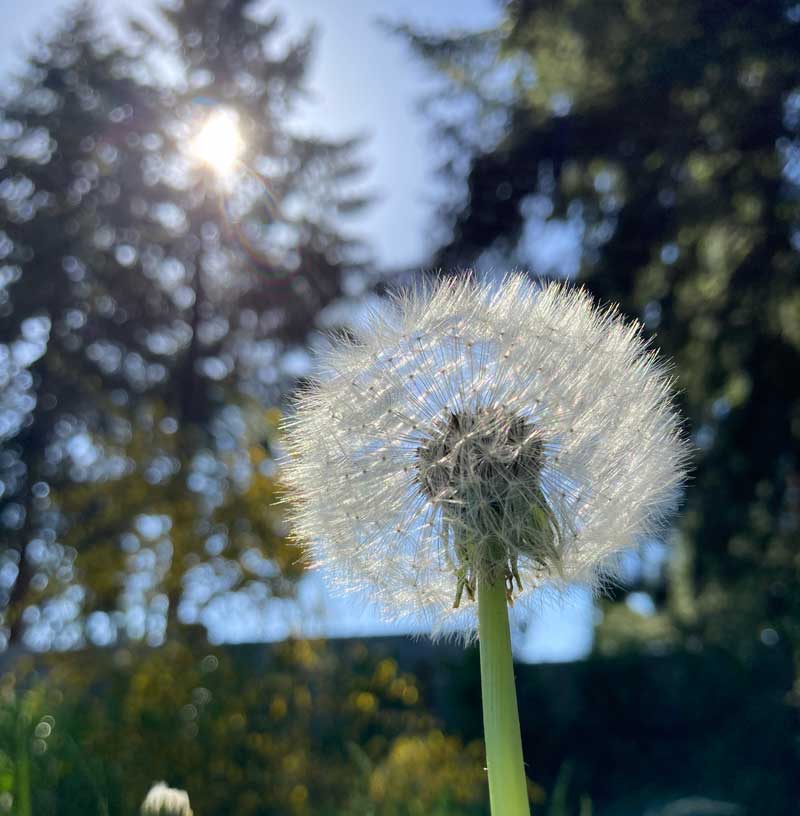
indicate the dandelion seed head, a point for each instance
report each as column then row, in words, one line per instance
column 162, row 800
column 511, row 432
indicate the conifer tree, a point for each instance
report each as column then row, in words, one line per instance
column 662, row 142
column 69, row 298
column 151, row 311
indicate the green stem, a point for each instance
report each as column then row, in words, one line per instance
column 508, row 791
column 23, row 769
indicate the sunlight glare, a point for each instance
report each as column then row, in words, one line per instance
column 219, row 143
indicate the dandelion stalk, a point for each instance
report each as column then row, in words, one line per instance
column 508, row 792
column 23, row 769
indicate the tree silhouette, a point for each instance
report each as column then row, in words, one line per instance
column 150, row 310
column 663, row 141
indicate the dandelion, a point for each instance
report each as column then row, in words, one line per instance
column 516, row 433
column 473, row 443
column 164, row 801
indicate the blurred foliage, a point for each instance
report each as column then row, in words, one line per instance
column 313, row 729
column 346, row 729
column 429, row 774
column 149, row 309
column 652, row 151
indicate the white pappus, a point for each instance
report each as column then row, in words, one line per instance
column 162, row 800
column 469, row 430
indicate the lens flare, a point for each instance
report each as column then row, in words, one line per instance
column 219, row 143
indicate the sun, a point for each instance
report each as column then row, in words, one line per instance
column 219, row 143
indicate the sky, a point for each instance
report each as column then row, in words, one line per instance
column 363, row 80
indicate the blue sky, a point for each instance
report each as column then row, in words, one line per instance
column 362, row 80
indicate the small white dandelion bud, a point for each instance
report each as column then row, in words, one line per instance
column 472, row 433
column 165, row 801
